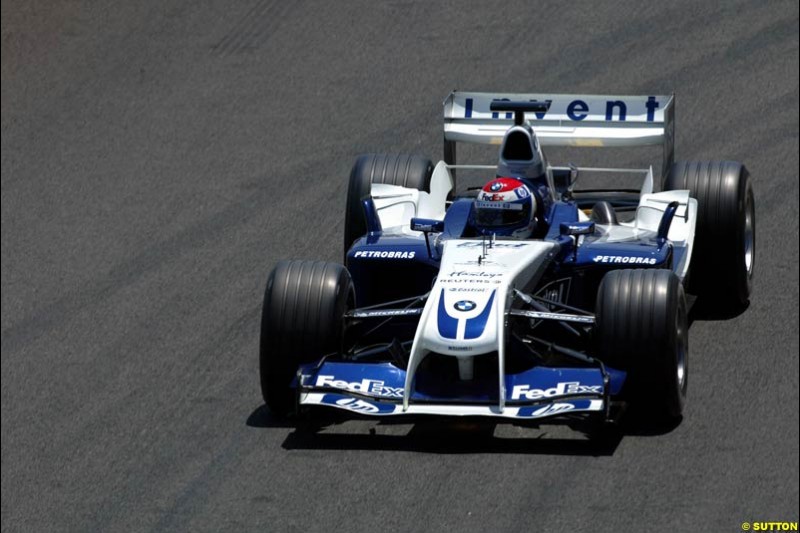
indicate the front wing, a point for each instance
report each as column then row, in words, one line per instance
column 376, row 389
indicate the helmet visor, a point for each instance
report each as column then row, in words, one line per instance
column 500, row 214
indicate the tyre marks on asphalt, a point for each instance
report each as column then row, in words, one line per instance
column 162, row 253
column 255, row 28
column 187, row 484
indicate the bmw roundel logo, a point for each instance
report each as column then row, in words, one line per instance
column 465, row 305
column 496, row 186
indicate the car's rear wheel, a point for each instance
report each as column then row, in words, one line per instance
column 723, row 255
column 411, row 171
column 642, row 328
column 302, row 320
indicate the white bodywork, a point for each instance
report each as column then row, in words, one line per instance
column 681, row 232
column 465, row 313
column 571, row 120
column 365, row 408
column 485, row 285
column 504, row 265
column 649, row 213
column 397, row 205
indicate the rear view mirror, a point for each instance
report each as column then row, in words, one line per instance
column 573, row 175
column 427, row 225
column 576, row 228
column 564, row 179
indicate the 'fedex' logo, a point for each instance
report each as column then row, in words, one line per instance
column 371, row 387
column 520, row 392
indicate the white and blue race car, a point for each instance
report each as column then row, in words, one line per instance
column 439, row 310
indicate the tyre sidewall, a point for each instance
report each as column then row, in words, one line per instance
column 641, row 324
column 302, row 320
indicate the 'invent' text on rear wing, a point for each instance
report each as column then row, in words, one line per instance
column 570, row 120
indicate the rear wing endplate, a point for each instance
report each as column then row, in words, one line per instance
column 570, row 120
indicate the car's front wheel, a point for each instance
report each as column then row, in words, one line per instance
column 642, row 328
column 302, row 320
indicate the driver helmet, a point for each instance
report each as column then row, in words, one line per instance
column 507, row 208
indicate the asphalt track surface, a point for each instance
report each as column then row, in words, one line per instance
column 158, row 158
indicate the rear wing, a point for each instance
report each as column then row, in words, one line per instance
column 570, row 120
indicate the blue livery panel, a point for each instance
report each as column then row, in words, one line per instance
column 474, row 327
column 390, row 267
column 385, row 381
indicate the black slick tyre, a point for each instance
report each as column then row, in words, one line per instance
column 642, row 328
column 302, row 320
column 411, row 171
column 723, row 256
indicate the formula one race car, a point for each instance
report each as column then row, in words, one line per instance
column 526, row 299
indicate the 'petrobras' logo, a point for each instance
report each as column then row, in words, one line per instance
column 385, row 254
column 371, row 387
column 624, row 259
column 520, row 392
column 464, row 305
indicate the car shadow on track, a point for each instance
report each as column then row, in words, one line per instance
column 703, row 310
column 334, row 431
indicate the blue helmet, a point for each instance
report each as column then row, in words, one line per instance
column 507, row 208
